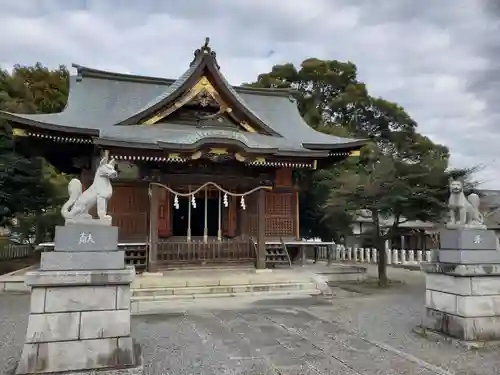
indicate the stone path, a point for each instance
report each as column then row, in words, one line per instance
column 362, row 335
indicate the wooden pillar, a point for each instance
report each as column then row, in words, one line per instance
column 189, row 215
column 297, row 217
column 164, row 213
column 205, row 228
column 219, row 218
column 261, row 229
column 153, row 228
column 86, row 176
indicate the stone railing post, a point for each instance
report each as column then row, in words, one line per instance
column 411, row 256
column 404, row 254
column 395, row 255
column 367, row 255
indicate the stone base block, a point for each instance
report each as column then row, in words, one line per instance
column 464, row 270
column 86, row 260
column 440, row 336
column 76, row 298
column 86, row 238
column 463, row 304
column 79, row 322
column 80, row 278
column 81, row 357
column 466, row 306
column 463, row 328
column 468, row 238
column 452, row 256
column 463, row 285
column 88, row 221
column 72, row 326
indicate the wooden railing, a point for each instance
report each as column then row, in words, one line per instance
column 136, row 254
column 16, row 251
column 175, row 251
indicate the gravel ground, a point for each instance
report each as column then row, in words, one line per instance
column 367, row 333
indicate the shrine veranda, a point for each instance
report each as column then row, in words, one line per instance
column 205, row 169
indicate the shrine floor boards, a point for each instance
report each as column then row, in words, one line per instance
column 353, row 334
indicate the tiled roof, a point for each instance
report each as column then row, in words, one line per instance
column 99, row 101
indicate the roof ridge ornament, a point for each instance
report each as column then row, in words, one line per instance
column 205, row 50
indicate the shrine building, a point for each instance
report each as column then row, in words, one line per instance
column 205, row 169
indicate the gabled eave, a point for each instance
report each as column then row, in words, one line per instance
column 204, row 61
column 208, row 142
column 106, row 142
column 27, row 122
column 335, row 146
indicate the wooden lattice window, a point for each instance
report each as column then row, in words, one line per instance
column 280, row 214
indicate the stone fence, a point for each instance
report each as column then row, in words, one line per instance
column 369, row 255
column 16, row 251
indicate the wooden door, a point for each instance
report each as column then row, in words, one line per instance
column 229, row 215
column 129, row 207
column 164, row 213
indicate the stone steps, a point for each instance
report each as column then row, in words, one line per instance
column 219, row 289
column 158, row 299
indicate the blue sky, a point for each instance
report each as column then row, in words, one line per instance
column 439, row 59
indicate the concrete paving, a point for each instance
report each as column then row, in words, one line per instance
column 363, row 333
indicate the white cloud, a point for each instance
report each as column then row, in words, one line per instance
column 437, row 59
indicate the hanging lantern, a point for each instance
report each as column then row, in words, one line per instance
column 193, row 201
column 176, row 202
column 225, row 201
column 242, row 203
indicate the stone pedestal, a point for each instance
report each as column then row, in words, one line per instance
column 79, row 320
column 463, row 286
column 468, row 246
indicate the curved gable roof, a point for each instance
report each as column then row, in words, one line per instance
column 99, row 100
column 204, row 62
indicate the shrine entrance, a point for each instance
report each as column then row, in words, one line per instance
column 183, row 217
column 205, row 225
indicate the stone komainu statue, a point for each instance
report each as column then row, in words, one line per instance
column 463, row 211
column 76, row 209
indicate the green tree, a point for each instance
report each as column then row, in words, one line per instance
column 330, row 97
column 28, row 185
column 19, row 177
column 390, row 189
column 332, row 100
column 401, row 175
column 34, row 89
